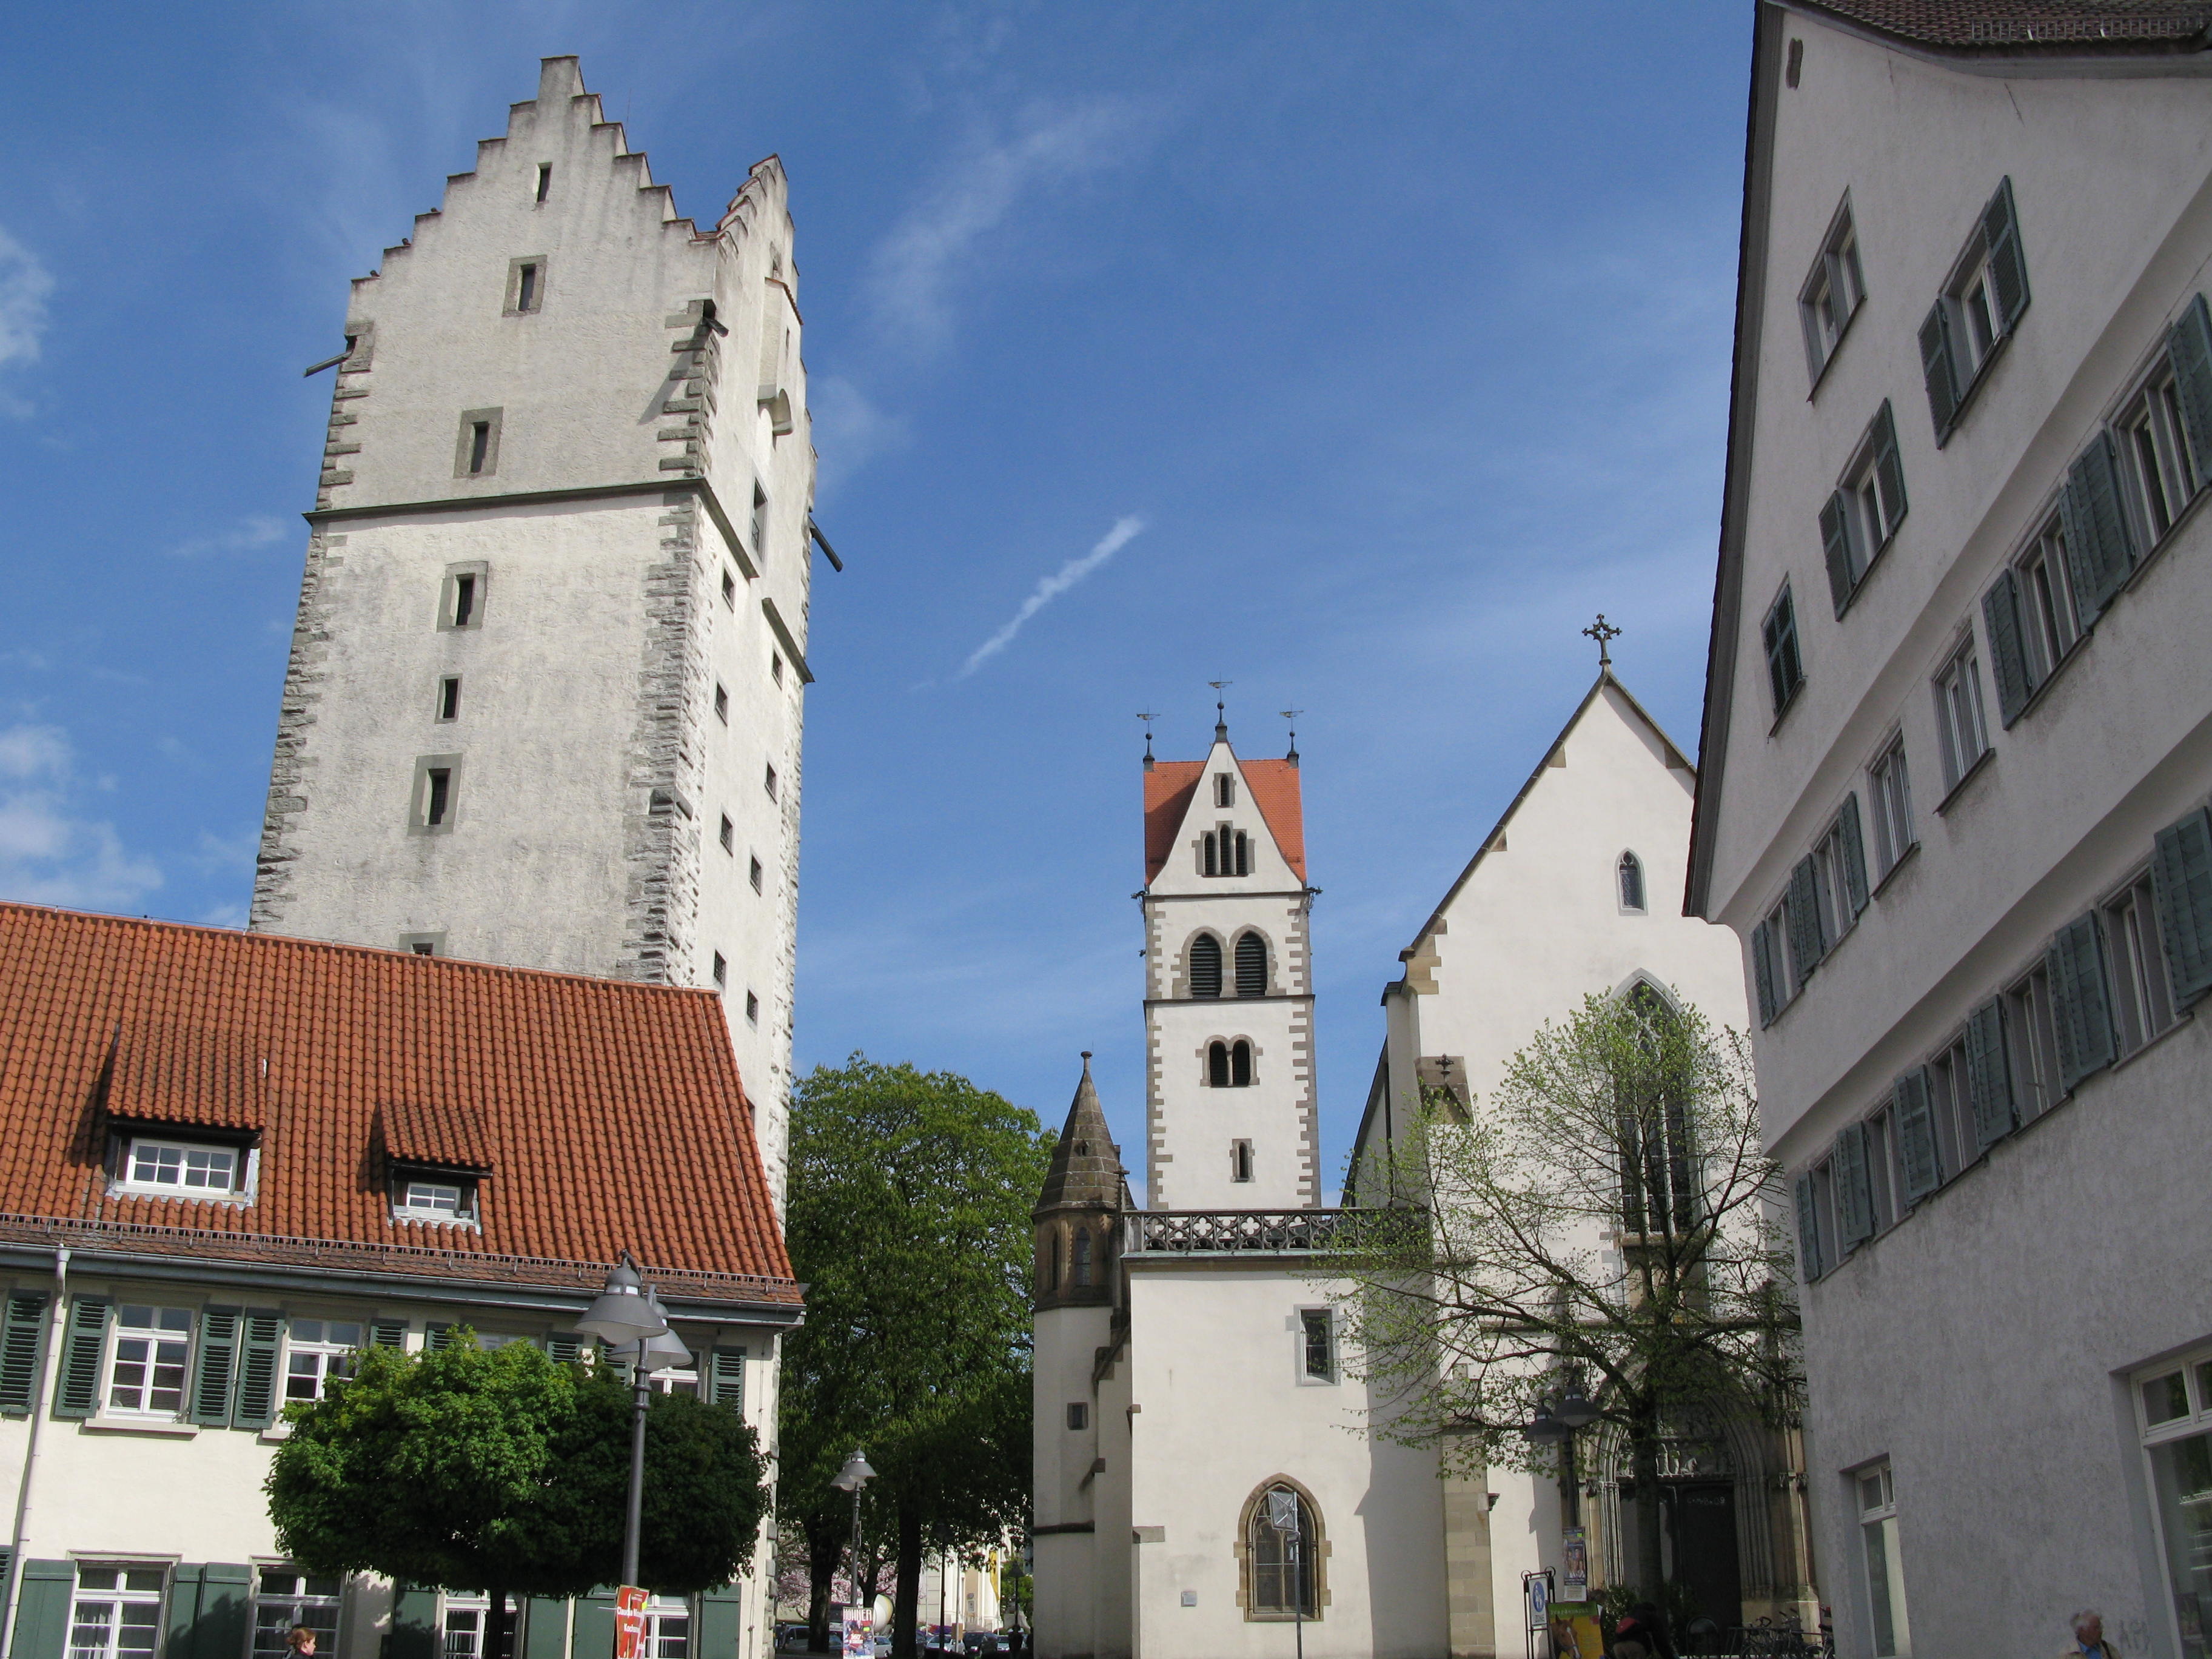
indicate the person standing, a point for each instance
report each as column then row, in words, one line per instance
column 2089, row 1637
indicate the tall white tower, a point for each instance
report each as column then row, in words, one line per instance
column 1231, row 1117
column 543, row 704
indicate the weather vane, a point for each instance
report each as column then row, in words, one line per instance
column 1148, row 717
column 1220, row 707
column 1604, row 633
column 1291, row 715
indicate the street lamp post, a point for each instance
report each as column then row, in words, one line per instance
column 627, row 1312
column 855, row 1474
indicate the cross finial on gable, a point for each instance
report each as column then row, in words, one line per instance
column 1604, row 633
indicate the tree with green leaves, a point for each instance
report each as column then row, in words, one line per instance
column 504, row 1471
column 1606, row 1222
column 908, row 1219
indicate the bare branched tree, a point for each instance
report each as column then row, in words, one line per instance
column 1605, row 1223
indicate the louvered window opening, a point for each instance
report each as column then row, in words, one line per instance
column 1251, row 965
column 2109, row 981
column 1205, row 966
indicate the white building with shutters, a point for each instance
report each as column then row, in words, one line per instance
column 1955, row 769
column 235, row 1160
column 545, row 693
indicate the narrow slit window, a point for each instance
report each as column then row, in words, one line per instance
column 759, row 527
column 526, row 289
column 464, row 601
column 729, row 590
column 721, row 972
column 449, row 697
column 1632, row 883
column 1217, row 1065
column 752, row 1009
column 768, row 783
column 475, row 448
column 722, row 706
column 1211, row 857
column 479, row 445
column 1240, row 1160
column 440, row 799
column 545, row 179
column 775, row 667
column 1224, row 790
column 1240, row 1063
column 728, row 836
column 1243, row 855
column 753, row 874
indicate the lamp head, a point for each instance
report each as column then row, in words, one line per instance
column 663, row 1352
column 623, row 1311
column 855, row 1474
column 1575, row 1408
column 1544, row 1428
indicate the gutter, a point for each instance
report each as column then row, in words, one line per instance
column 51, row 1361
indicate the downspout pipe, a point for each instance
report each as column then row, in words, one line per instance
column 53, row 1358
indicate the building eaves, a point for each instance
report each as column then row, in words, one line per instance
column 2018, row 28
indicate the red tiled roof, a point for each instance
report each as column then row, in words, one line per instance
column 1169, row 785
column 2060, row 27
column 608, row 1116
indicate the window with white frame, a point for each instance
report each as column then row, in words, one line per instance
column 667, row 1628
column 1891, row 798
column 1839, row 874
column 2032, row 620
column 285, row 1598
column 2032, row 1044
column 1774, row 964
column 1961, row 732
column 1976, row 311
column 184, row 1167
column 1861, row 517
column 1890, row 1635
column 2154, row 455
column 434, row 1195
column 2142, row 1001
column 1317, row 1344
column 1951, row 1112
column 2173, row 1407
column 117, row 1612
column 318, row 1352
column 147, row 1360
column 468, row 1618
column 1832, row 291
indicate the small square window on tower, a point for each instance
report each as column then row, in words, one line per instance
column 721, row 702
column 721, row 973
column 526, row 285
column 775, row 667
column 449, row 697
column 752, row 1009
column 1078, row 1415
column 461, row 596
column 476, row 452
column 753, row 874
column 729, row 590
column 436, row 799
column 424, row 945
column 768, row 783
column 729, row 835
column 1240, row 1160
column 545, row 179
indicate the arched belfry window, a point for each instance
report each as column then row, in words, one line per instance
column 1211, row 862
column 1225, row 852
column 1282, row 1568
column 1217, row 1065
column 1205, row 966
column 1251, row 965
column 1240, row 1063
column 1243, row 855
column 1631, row 882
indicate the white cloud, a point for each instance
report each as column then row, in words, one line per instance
column 255, row 530
column 24, row 285
column 849, row 430
column 1124, row 531
column 913, row 268
column 48, row 855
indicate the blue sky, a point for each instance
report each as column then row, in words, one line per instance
column 1355, row 354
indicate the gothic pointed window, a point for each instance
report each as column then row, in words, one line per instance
column 1281, row 1565
column 1658, row 1174
column 1243, row 856
column 1240, row 1063
column 1205, row 966
column 1217, row 1065
column 1251, row 965
column 1631, row 882
column 1083, row 1257
column 1212, row 855
column 1052, row 1265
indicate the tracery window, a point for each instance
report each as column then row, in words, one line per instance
column 1631, row 882
column 1282, row 1569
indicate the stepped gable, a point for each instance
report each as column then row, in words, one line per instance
column 1085, row 1172
column 602, row 1115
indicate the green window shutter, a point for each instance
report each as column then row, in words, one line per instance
column 438, row 1338
column 1854, row 1189
column 2007, row 266
column 2000, row 616
column 1989, row 1074
column 1888, row 470
column 565, row 1346
column 726, row 1383
column 545, row 1629
column 1937, row 364
column 2099, row 549
column 79, row 1393
column 1779, row 680
column 183, row 1614
column 594, row 1636
column 258, row 1380
column 2081, row 1006
column 1807, row 943
column 1852, row 843
column 1836, row 547
column 1809, row 1232
column 387, row 1332
column 42, row 1610
column 415, row 1633
column 216, row 1363
column 1762, row 970
column 721, row 1621
column 2181, row 877
column 1919, row 1170
column 22, row 1329
column 225, row 1626
column 2189, row 343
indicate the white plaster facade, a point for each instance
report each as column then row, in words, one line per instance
column 1978, row 1346
column 1539, row 920
column 636, row 530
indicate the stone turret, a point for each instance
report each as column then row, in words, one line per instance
column 1077, row 1213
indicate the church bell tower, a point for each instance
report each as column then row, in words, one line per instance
column 1232, row 1115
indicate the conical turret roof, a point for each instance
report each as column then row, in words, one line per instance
column 1087, row 1165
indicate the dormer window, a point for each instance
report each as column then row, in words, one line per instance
column 447, row 1196
column 168, row 1165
